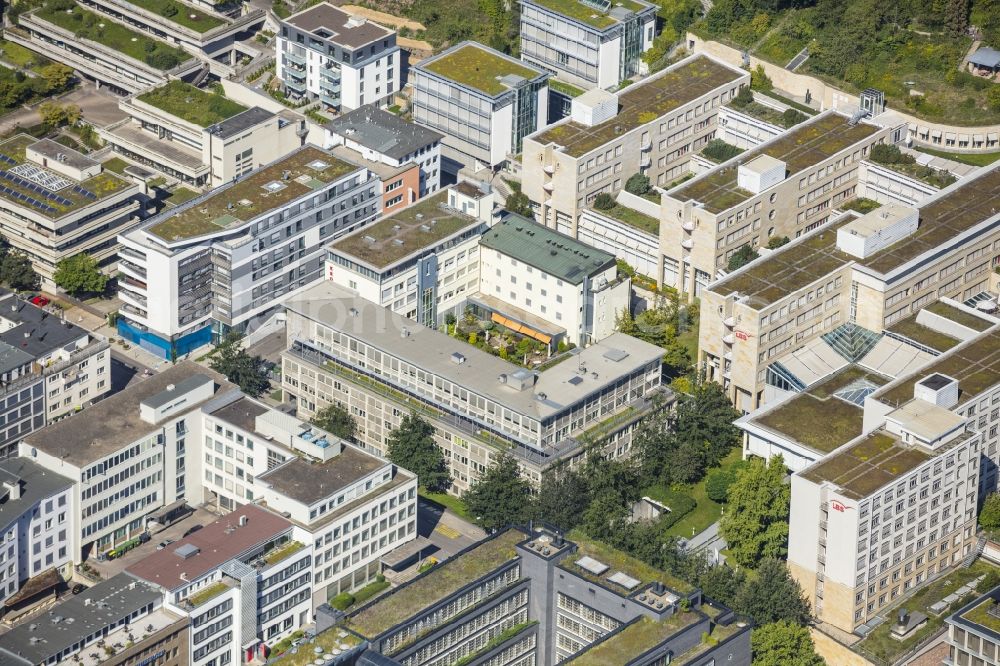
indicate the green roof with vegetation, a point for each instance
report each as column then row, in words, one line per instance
column 308, row 169
column 805, row 146
column 959, row 316
column 981, row 614
column 867, row 465
column 101, row 186
column 183, row 15
column 633, row 218
column 643, row 103
column 282, row 552
column 305, row 654
column 634, row 639
column 924, row 335
column 102, row 30
column 565, row 88
column 617, row 561
column 976, row 366
column 789, row 268
column 194, row 105
column 420, row 226
column 207, row 593
column 819, row 419
column 478, row 67
column 588, row 14
column 435, row 585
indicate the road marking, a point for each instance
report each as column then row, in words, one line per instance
column 449, row 532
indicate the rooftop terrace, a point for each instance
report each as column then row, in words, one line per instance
column 308, row 169
column 333, row 641
column 790, row 268
column 976, row 366
column 633, row 640
column 617, row 561
column 633, row 218
column 959, row 316
column 412, row 229
column 184, row 15
column 818, row 418
column 53, row 204
column 194, row 105
column 436, row 585
column 806, row 145
column 985, row 615
column 478, row 67
column 587, row 14
column 643, row 103
column 867, row 465
column 923, row 335
column 957, row 211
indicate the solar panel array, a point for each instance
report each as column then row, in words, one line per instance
column 7, row 159
column 27, row 184
column 31, row 201
column 42, row 177
column 85, row 192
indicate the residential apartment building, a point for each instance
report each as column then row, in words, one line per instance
column 649, row 127
column 587, row 44
column 36, row 508
column 241, row 580
column 548, row 285
column 125, row 613
column 974, row 632
column 539, row 599
column 874, row 272
column 484, row 102
column 347, row 350
column 199, row 137
column 56, row 203
column 222, row 260
column 344, row 61
column 422, row 262
column 381, row 136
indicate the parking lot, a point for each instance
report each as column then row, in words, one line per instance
column 174, row 532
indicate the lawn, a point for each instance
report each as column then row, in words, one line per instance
column 974, row 159
column 183, row 15
column 197, row 106
column 17, row 55
column 565, row 88
column 633, row 218
column 885, row 648
column 705, row 511
column 479, row 68
column 450, row 502
column 181, row 195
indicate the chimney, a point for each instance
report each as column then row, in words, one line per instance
column 244, row 520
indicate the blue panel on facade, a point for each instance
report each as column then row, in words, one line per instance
column 161, row 347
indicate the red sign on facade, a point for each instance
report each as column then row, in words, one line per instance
column 742, row 336
column 837, row 506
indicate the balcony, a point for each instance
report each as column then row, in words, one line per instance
column 294, row 57
column 291, row 84
column 729, row 322
column 549, row 169
column 687, row 244
column 688, row 226
column 548, row 187
column 728, row 339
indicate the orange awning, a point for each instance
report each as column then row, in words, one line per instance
column 520, row 328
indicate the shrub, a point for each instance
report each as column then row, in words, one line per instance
column 742, row 257
column 637, row 183
column 885, row 153
column 679, row 504
column 743, row 97
column 718, row 150
column 759, row 79
column 792, row 117
column 604, row 201
column 342, row 601
column 777, row 241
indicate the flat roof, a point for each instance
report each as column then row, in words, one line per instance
column 328, row 22
column 804, row 146
column 983, row 614
column 194, row 105
column 634, row 639
column 479, row 67
column 108, row 425
column 924, row 335
column 54, row 150
column 432, row 350
column 218, row 542
column 546, row 249
column 439, row 583
column 975, row 364
column 954, row 211
column 862, row 468
column 30, row 186
column 310, row 482
column 384, row 132
column 36, row 332
column 817, row 417
column 588, row 14
column 36, row 483
column 617, row 561
column 265, row 189
column 644, row 102
column 80, row 616
column 960, row 316
column 790, row 268
column 416, row 228
column 241, row 122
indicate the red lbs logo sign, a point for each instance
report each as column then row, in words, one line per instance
column 740, row 335
column 837, row 506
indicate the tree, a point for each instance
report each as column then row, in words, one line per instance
column 412, row 447
column 993, row 98
column 57, row 77
column 722, row 583
column 956, row 18
column 336, row 420
column 637, row 183
column 52, row 114
column 717, row 484
column 562, row 499
column 604, row 201
column 783, row 644
column 246, row 371
column 759, row 79
column 989, row 516
column 755, row 524
column 501, row 496
column 743, row 97
column 741, row 258
column 17, row 273
column 80, row 273
column 519, row 204
column 773, row 595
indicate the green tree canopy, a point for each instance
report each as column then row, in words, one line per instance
column 741, row 258
column 246, row 371
column 755, row 524
column 637, row 183
column 989, row 517
column 501, row 496
column 80, row 273
column 17, row 273
column 783, row 644
column 773, row 595
column 519, row 204
column 57, row 76
column 412, row 447
column 336, row 420
column 562, row 499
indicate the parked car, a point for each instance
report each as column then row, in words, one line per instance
column 77, row 589
column 40, row 301
column 144, row 537
column 163, row 544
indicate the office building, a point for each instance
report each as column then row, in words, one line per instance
column 586, row 43
column 384, row 137
column 200, row 137
column 222, row 260
column 422, row 262
column 650, row 127
column 56, row 203
column 974, row 632
column 484, row 102
column 345, row 349
column 344, row 61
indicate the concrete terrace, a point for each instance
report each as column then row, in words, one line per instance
column 642, row 103
column 266, row 189
column 416, row 227
column 478, row 67
column 588, row 15
column 806, row 145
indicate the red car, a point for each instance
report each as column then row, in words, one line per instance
column 40, row 301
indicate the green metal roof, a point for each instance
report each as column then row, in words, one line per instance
column 546, row 249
